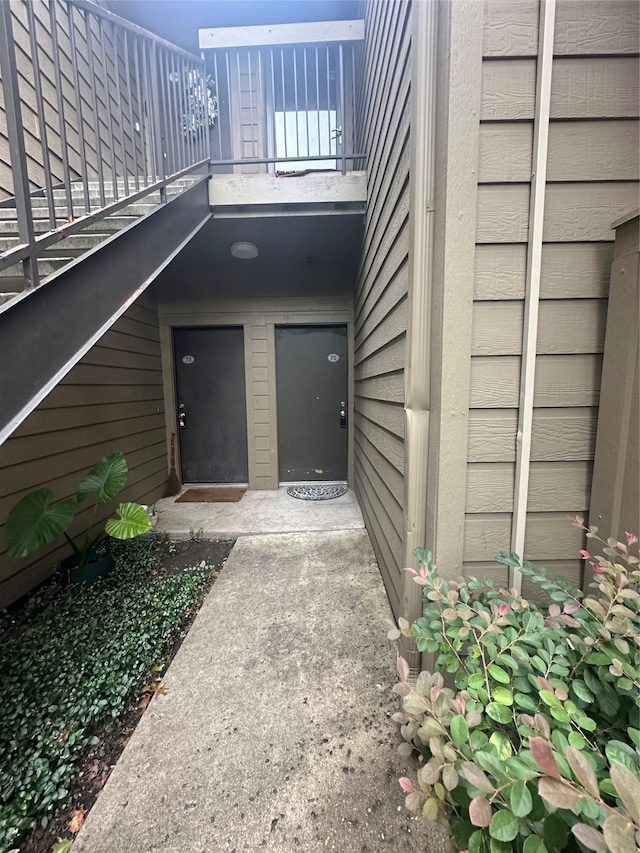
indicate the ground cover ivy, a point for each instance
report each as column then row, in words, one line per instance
column 533, row 745
column 71, row 658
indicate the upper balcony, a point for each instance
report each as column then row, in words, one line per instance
column 283, row 104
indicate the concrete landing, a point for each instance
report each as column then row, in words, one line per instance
column 260, row 511
column 274, row 733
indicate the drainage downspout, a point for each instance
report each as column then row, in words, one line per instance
column 532, row 282
column 421, row 242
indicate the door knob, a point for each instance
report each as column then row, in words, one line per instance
column 343, row 418
column 182, row 420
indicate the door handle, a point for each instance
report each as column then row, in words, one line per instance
column 182, row 420
column 343, row 416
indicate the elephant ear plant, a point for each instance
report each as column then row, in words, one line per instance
column 38, row 519
column 533, row 745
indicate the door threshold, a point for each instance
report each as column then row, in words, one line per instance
column 214, row 485
column 286, row 483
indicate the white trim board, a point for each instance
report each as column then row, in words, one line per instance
column 310, row 32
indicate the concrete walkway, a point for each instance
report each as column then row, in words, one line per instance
column 274, row 733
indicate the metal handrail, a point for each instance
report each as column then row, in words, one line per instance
column 125, row 122
column 284, row 104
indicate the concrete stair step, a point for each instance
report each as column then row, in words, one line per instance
column 7, row 297
column 75, row 243
column 46, row 267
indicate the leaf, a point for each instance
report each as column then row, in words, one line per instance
column 499, row 674
column 406, row 784
column 405, row 750
column 132, row 520
column 106, row 479
column 77, row 819
column 583, row 770
column 430, row 809
column 502, row 696
column 412, row 801
column 450, row 777
column 499, row 713
column 534, row 844
column 480, row 811
column 590, row 837
column 520, row 799
column 36, row 520
column 619, row 835
column 557, row 794
column 543, row 756
column 459, row 730
column 403, row 669
column 628, row 787
column 476, row 777
column 504, row 825
column 62, row 845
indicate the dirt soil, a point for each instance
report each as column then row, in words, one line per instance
column 114, row 735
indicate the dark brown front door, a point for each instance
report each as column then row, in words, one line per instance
column 212, row 415
column 311, row 379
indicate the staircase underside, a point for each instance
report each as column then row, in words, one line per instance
column 44, row 332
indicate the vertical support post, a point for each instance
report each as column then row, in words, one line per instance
column 80, row 119
column 532, row 284
column 421, row 241
column 157, row 113
column 42, row 119
column 17, row 149
column 93, row 86
column 341, row 110
column 62, row 124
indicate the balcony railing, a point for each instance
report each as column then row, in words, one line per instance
column 283, row 108
column 97, row 113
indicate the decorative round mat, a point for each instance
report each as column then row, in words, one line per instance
column 316, row 493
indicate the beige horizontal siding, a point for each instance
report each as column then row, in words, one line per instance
column 566, row 326
column 599, row 87
column 573, row 211
column 578, row 151
column 561, row 381
column 581, row 27
column 380, row 299
column 569, row 271
column 558, row 434
column 592, row 179
column 490, row 486
column 111, row 400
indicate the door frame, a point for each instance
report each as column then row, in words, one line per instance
column 266, row 314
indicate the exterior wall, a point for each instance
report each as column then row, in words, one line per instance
column 615, row 505
column 111, row 400
column 105, row 86
column 258, row 317
column 591, row 181
column 380, row 318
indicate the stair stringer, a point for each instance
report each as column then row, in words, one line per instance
column 46, row 331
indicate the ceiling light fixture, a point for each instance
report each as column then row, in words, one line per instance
column 244, row 250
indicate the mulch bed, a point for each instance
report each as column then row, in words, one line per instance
column 114, row 736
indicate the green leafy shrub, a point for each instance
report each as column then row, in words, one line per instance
column 537, row 746
column 37, row 519
column 69, row 660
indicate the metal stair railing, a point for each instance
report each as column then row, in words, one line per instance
column 99, row 114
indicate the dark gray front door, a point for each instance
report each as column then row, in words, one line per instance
column 311, row 379
column 212, row 410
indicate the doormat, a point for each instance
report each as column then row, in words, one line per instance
column 223, row 494
column 317, row 493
